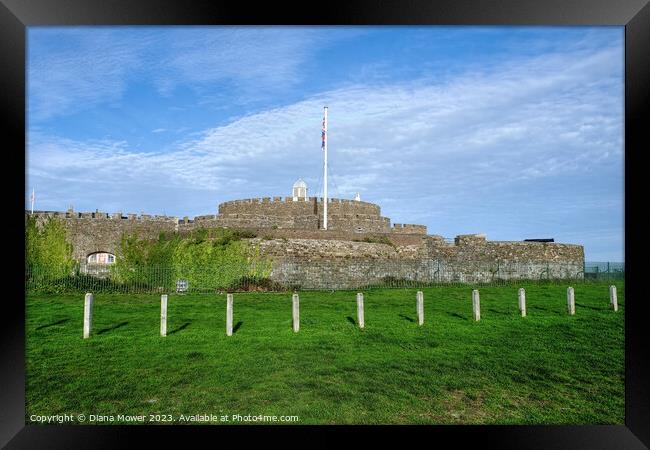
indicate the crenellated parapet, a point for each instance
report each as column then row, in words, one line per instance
column 99, row 215
column 301, row 214
column 287, row 206
column 408, row 228
column 91, row 232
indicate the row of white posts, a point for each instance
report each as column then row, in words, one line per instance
column 476, row 309
column 570, row 298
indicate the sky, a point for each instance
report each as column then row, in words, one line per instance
column 514, row 132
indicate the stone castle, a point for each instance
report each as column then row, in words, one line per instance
column 359, row 247
column 300, row 212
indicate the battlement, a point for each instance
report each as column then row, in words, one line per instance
column 408, row 228
column 267, row 213
column 290, row 200
column 99, row 215
column 287, row 206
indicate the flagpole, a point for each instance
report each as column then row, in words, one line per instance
column 32, row 201
column 325, row 173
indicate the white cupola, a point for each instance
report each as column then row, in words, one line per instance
column 299, row 190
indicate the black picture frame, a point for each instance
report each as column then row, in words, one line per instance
column 16, row 15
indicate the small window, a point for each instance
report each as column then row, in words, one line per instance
column 101, row 258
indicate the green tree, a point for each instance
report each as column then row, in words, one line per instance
column 48, row 254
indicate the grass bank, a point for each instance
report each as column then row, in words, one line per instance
column 547, row 368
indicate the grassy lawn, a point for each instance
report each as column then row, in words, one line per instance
column 547, row 368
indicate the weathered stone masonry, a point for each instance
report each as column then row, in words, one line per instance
column 303, row 214
column 311, row 263
column 289, row 232
column 100, row 232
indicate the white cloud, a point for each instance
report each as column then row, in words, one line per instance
column 87, row 68
column 268, row 55
column 91, row 68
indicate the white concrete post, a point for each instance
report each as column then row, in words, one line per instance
column 476, row 305
column 522, row 301
column 228, row 314
column 88, row 315
column 163, row 315
column 420, row 307
column 296, row 313
column 613, row 299
column 360, row 310
column 571, row 303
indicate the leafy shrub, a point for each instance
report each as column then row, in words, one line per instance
column 254, row 283
column 48, row 254
column 207, row 259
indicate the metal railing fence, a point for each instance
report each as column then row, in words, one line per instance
column 313, row 275
column 604, row 270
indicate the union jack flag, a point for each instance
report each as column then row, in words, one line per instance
column 323, row 135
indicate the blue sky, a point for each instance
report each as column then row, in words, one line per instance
column 515, row 132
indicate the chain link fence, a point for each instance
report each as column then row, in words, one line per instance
column 305, row 276
column 147, row 279
column 604, row 270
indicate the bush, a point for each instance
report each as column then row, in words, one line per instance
column 48, row 254
column 207, row 259
column 253, row 283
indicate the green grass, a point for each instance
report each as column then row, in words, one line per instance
column 547, row 368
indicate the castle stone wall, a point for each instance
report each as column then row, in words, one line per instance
column 318, row 264
column 408, row 228
column 310, row 257
column 91, row 232
column 278, row 206
column 254, row 221
column 355, row 273
column 307, row 214
column 100, row 232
